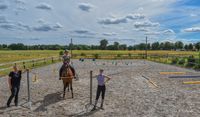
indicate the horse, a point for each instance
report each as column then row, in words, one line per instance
column 67, row 76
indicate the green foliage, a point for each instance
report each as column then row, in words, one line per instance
column 83, row 54
column 61, row 53
column 181, row 61
column 96, row 56
column 190, row 61
column 174, row 61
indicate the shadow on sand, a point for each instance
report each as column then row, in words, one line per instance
column 48, row 100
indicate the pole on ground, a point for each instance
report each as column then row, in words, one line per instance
column 71, row 46
column 28, row 87
column 146, row 49
column 90, row 87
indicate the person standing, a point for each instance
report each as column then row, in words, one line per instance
column 101, row 88
column 14, row 80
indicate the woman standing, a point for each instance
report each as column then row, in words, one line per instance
column 14, row 85
column 101, row 88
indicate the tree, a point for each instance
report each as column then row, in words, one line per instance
column 190, row 47
column 179, row 45
column 116, row 45
column 197, row 46
column 155, row 46
column 103, row 44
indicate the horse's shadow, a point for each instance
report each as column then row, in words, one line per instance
column 48, row 100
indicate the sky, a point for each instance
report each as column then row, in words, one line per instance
column 89, row 21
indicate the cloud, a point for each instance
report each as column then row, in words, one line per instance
column 168, row 31
column 193, row 29
column 44, row 6
column 85, row 6
column 110, row 34
column 8, row 26
column 3, row 19
column 19, row 2
column 146, row 24
column 83, row 31
column 47, row 27
column 23, row 26
column 119, row 20
column 108, row 21
column 3, row 6
column 164, row 32
column 135, row 16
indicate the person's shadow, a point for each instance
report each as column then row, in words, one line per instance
column 48, row 100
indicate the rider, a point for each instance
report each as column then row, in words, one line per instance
column 66, row 61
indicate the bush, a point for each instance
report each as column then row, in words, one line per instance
column 61, row 53
column 190, row 61
column 83, row 54
column 174, row 61
column 96, row 56
column 181, row 61
column 119, row 55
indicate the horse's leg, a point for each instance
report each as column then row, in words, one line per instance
column 64, row 89
column 71, row 89
column 68, row 86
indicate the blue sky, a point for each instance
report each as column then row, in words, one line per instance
column 89, row 21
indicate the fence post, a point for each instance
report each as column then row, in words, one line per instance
column 28, row 88
column 44, row 60
column 52, row 59
column 90, row 87
column 24, row 65
column 33, row 65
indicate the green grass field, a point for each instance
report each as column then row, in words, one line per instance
column 13, row 56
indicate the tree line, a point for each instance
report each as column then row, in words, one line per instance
column 104, row 45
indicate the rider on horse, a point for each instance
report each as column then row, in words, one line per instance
column 66, row 62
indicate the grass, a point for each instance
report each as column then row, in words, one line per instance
column 8, row 56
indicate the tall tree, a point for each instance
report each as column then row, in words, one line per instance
column 179, row 45
column 103, row 44
column 155, row 46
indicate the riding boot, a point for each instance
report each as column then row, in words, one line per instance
column 94, row 108
column 102, row 103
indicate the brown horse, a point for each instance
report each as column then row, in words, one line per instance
column 67, row 77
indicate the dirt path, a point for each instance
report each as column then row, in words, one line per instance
column 127, row 94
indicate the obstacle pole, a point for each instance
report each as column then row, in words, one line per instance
column 28, row 88
column 191, row 82
column 171, row 73
column 90, row 87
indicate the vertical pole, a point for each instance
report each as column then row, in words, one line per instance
column 71, row 45
column 28, row 87
column 146, row 49
column 199, row 59
column 90, row 87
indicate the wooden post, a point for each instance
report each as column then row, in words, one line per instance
column 91, row 87
column 28, row 88
column 146, row 49
column 24, row 65
column 33, row 65
column 52, row 59
column 71, row 47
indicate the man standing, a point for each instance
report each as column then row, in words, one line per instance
column 14, row 85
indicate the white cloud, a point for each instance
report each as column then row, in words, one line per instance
column 3, row 6
column 20, row 1
column 146, row 24
column 85, row 6
column 168, row 31
column 193, row 29
column 47, row 27
column 83, row 31
column 119, row 20
column 110, row 34
column 44, row 6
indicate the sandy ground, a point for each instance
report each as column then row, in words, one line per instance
column 127, row 94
